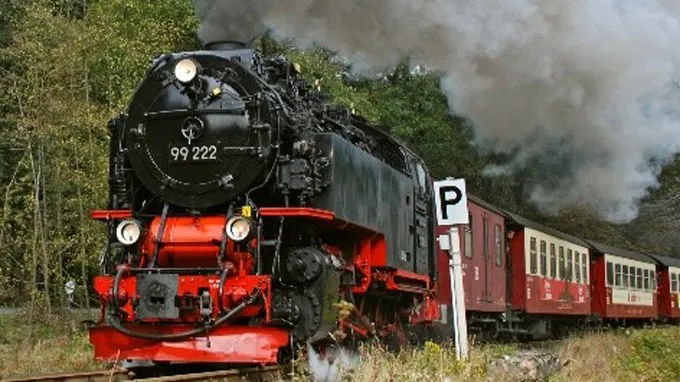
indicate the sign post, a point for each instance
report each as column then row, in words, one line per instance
column 451, row 205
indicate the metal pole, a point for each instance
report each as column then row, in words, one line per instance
column 458, row 296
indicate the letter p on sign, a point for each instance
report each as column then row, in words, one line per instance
column 450, row 200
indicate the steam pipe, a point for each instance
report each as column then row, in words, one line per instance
column 116, row 283
column 220, row 290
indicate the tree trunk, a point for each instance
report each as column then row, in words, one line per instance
column 83, row 257
column 44, row 227
column 57, row 233
column 34, row 256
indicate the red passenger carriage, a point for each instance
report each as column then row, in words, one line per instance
column 624, row 283
column 668, row 288
column 549, row 270
column 483, row 255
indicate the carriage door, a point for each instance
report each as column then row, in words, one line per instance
column 487, row 257
column 422, row 199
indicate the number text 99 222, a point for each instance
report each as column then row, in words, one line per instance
column 189, row 154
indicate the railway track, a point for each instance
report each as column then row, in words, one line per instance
column 265, row 374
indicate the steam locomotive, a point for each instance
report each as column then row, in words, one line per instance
column 248, row 214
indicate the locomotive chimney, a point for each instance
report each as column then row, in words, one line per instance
column 225, row 45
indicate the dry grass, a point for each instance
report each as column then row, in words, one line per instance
column 651, row 354
column 591, row 357
column 431, row 363
column 51, row 344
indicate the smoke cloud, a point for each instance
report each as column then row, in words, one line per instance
column 328, row 368
column 581, row 93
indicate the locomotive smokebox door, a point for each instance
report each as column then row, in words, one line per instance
column 157, row 296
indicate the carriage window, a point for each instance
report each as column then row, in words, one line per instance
column 639, row 278
column 626, row 276
column 633, row 284
column 468, row 238
column 553, row 261
column 578, row 266
column 652, row 279
column 499, row 245
column 674, row 282
column 570, row 266
column 532, row 259
column 610, row 273
column 544, row 259
column 563, row 268
column 584, row 268
column 485, row 231
column 618, row 274
column 645, row 276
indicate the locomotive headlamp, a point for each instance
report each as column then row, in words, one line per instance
column 238, row 228
column 186, row 70
column 128, row 231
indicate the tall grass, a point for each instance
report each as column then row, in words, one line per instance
column 48, row 344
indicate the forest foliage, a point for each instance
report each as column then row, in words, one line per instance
column 68, row 66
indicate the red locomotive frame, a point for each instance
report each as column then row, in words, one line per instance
column 193, row 242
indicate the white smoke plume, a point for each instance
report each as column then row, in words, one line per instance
column 582, row 93
column 336, row 360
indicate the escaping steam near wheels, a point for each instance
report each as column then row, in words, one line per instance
column 582, row 94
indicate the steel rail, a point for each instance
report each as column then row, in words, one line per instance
column 110, row 375
column 262, row 374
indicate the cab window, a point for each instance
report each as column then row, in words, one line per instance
column 422, row 178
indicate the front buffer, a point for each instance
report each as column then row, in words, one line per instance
column 173, row 318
